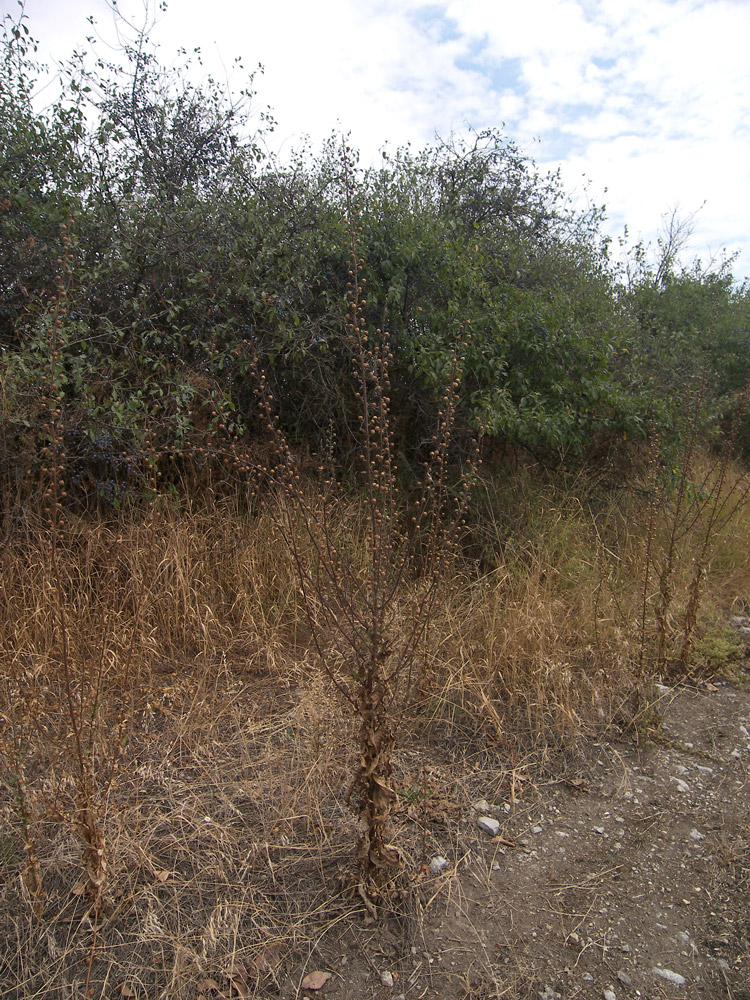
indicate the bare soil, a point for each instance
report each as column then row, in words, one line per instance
column 629, row 860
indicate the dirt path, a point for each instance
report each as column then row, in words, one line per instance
column 630, row 878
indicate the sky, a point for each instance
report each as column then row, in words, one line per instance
column 644, row 105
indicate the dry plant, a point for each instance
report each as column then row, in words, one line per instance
column 71, row 703
column 686, row 517
column 369, row 595
column 532, row 648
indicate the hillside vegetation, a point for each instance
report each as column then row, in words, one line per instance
column 302, row 461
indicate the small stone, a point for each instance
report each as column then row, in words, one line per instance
column 438, row 865
column 481, row 806
column 671, row 977
column 386, row 978
column 624, row 978
column 587, row 977
column 536, row 829
column 697, row 835
column 609, row 994
column 599, row 829
column 489, row 825
column 625, row 949
column 682, row 786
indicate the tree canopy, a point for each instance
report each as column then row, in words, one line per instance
column 187, row 251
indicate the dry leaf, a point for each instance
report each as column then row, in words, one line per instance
column 162, row 875
column 315, row 980
column 210, row 986
column 237, row 976
column 268, row 959
column 126, row 990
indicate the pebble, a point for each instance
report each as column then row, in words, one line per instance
column 671, row 977
column 386, row 978
column 682, row 786
column 536, row 829
column 609, row 994
column 489, row 824
column 697, row 835
column 438, row 864
column 624, row 978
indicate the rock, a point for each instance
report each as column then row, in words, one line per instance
column 489, row 824
column 609, row 994
column 438, row 865
column 549, row 994
column 599, row 829
column 671, row 977
column 481, row 806
column 386, row 978
column 624, row 978
column 738, row 620
column 536, row 829
column 682, row 786
column 697, row 835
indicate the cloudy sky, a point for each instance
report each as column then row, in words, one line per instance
column 648, row 99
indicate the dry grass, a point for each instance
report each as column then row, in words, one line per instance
column 225, row 757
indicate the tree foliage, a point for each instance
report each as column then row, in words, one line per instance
column 194, row 250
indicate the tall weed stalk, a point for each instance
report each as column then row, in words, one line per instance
column 369, row 592
column 70, row 697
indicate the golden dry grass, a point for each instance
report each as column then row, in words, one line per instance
column 220, row 755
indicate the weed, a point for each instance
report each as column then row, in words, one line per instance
column 370, row 596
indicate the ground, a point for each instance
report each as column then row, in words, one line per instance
column 620, row 868
column 627, row 874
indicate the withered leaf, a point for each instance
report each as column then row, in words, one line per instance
column 315, row 980
column 210, row 986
